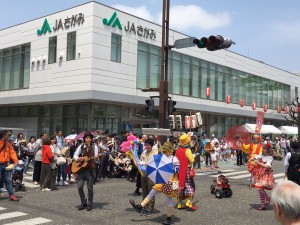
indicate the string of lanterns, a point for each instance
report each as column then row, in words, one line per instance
column 265, row 107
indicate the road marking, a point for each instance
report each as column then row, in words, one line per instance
column 229, row 174
column 279, row 175
column 1, row 208
column 213, row 172
column 241, row 176
column 11, row 215
column 39, row 220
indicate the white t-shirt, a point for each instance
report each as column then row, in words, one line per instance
column 267, row 159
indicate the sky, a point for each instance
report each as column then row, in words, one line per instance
column 264, row 30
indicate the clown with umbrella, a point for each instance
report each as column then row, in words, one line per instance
column 160, row 169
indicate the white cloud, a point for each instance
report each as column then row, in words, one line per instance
column 140, row 11
column 284, row 31
column 191, row 16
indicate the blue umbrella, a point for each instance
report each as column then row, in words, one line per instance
column 160, row 169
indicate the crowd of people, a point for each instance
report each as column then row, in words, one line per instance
column 52, row 159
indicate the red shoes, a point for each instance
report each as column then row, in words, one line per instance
column 262, row 207
column 13, row 198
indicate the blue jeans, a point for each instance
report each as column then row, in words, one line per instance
column 61, row 173
column 28, row 160
column 7, row 178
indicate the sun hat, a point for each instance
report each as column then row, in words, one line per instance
column 184, row 139
column 167, row 147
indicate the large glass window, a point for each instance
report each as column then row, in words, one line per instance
column 52, row 50
column 116, row 47
column 190, row 76
column 14, row 67
column 71, row 45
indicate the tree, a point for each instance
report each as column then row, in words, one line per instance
column 292, row 113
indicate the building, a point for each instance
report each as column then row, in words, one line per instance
column 84, row 67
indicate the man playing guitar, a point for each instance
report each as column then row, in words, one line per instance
column 87, row 150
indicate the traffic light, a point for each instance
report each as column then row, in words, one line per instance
column 214, row 42
column 172, row 122
column 150, row 105
column 178, row 122
column 171, row 105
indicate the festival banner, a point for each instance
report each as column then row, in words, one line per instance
column 259, row 121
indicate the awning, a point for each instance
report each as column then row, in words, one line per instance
column 289, row 130
column 265, row 129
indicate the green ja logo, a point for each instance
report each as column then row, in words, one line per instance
column 45, row 28
column 113, row 21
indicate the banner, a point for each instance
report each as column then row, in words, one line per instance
column 259, row 121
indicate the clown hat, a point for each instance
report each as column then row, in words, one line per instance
column 184, row 139
column 167, row 147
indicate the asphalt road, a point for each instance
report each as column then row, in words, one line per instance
column 111, row 206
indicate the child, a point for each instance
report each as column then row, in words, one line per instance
column 213, row 156
column 262, row 175
column 217, row 150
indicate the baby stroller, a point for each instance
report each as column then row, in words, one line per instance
column 17, row 177
column 221, row 187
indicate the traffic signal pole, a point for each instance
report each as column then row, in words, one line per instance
column 163, row 87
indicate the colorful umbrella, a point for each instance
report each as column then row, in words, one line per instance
column 71, row 137
column 81, row 135
column 160, row 169
column 234, row 134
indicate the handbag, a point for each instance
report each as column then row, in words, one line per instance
column 167, row 188
column 192, row 173
column 61, row 160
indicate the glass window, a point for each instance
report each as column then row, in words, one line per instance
column 5, row 72
column 212, row 81
column 296, row 92
column 15, row 68
column 195, row 78
column 204, row 83
column 154, row 67
column 176, row 73
column 186, row 76
column 220, row 86
column 52, row 50
column 116, row 47
column 71, row 45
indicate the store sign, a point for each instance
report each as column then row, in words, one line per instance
column 61, row 24
column 130, row 28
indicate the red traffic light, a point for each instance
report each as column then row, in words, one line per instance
column 214, row 42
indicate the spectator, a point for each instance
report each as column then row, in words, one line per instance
column 286, row 198
column 292, row 163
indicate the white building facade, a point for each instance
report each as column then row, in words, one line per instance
column 84, row 68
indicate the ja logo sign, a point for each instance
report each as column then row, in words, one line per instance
column 113, row 21
column 45, row 28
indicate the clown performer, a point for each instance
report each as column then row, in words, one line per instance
column 252, row 149
column 262, row 175
column 166, row 149
column 186, row 189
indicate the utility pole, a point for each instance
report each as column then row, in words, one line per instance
column 163, row 87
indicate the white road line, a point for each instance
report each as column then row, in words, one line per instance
column 229, row 174
column 11, row 215
column 39, row 220
column 213, row 172
column 241, row 176
column 278, row 175
column 1, row 208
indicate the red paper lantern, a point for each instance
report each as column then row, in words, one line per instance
column 208, row 91
column 287, row 109
column 253, row 105
column 242, row 102
column 265, row 108
column 279, row 109
column 228, row 99
column 296, row 109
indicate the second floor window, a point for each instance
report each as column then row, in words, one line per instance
column 71, row 45
column 52, row 50
column 116, row 46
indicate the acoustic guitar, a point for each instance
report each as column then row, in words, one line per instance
column 78, row 166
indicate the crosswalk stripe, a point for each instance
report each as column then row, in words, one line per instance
column 1, row 208
column 30, row 185
column 213, row 172
column 241, row 176
column 278, row 175
column 11, row 215
column 233, row 173
column 39, row 220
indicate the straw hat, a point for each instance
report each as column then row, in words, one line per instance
column 184, row 139
column 167, row 147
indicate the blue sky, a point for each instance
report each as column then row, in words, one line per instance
column 265, row 30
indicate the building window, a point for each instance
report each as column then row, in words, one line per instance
column 71, row 45
column 116, row 47
column 52, row 50
column 14, row 67
column 296, row 92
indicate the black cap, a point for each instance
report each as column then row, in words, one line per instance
column 88, row 134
